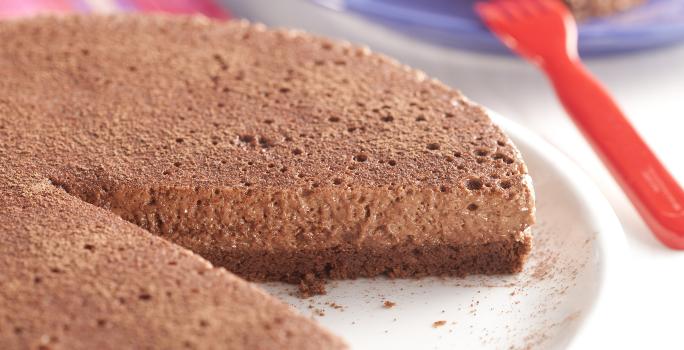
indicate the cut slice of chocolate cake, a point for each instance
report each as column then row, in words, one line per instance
column 277, row 155
column 74, row 276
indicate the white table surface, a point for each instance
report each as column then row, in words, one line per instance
column 649, row 311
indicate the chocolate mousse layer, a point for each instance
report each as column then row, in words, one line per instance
column 331, row 230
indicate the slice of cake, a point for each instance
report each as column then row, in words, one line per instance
column 277, row 155
column 74, row 276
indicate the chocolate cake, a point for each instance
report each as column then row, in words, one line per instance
column 271, row 153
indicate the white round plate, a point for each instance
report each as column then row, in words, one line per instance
column 577, row 243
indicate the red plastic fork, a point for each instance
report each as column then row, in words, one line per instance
column 545, row 32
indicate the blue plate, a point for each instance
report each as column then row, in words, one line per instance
column 453, row 23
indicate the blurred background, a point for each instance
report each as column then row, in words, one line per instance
column 637, row 53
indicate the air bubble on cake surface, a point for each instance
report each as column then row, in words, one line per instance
column 248, row 139
column 265, row 142
column 361, row 157
column 481, row 152
column 506, row 159
column 474, row 184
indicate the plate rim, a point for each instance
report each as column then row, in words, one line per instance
column 610, row 235
column 470, row 34
column 610, row 242
column 473, row 26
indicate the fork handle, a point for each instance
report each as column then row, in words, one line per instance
column 651, row 188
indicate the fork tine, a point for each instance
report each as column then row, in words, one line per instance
column 530, row 7
column 510, row 7
column 490, row 12
column 497, row 20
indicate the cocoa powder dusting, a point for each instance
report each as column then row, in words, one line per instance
column 310, row 285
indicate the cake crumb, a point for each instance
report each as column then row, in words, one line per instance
column 334, row 305
column 319, row 312
column 310, row 285
column 388, row 304
column 438, row 324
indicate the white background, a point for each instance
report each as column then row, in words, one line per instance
column 648, row 85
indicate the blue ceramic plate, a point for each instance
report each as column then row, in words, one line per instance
column 453, row 23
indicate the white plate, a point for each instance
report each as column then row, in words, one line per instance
column 577, row 243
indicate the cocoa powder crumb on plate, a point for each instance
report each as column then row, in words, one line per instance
column 388, row 304
column 438, row 324
column 310, row 285
column 335, row 305
column 319, row 312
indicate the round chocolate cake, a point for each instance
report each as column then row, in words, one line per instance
column 147, row 159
